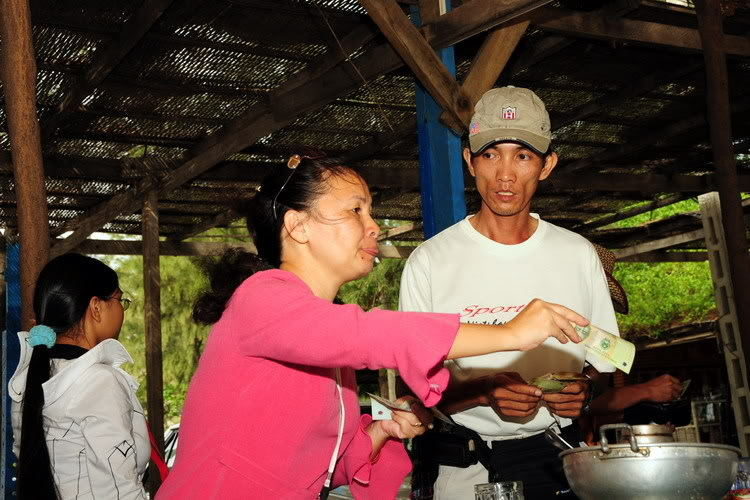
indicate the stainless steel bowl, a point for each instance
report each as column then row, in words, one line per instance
column 658, row 471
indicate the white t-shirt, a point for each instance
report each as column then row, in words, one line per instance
column 462, row 271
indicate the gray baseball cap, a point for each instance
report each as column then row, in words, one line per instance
column 510, row 114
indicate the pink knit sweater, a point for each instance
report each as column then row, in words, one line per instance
column 261, row 415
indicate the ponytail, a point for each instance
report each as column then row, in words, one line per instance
column 61, row 297
column 224, row 276
column 35, row 479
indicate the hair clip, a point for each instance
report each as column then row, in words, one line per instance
column 294, row 161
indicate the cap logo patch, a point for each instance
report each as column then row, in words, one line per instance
column 474, row 128
column 509, row 113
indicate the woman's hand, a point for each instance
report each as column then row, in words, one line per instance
column 540, row 320
column 403, row 424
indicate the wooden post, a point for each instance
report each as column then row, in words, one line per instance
column 19, row 83
column 719, row 119
column 152, row 313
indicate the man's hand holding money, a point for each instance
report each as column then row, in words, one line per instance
column 510, row 395
column 569, row 401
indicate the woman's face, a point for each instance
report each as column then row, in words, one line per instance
column 341, row 231
column 112, row 315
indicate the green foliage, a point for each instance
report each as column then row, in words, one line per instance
column 182, row 340
column 664, row 295
column 377, row 289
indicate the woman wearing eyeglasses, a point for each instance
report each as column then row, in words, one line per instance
column 78, row 428
column 272, row 410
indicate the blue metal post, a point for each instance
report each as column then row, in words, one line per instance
column 441, row 175
column 11, row 351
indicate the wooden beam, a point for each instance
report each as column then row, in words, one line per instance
column 320, row 89
column 626, row 214
column 489, row 62
column 637, row 88
column 671, row 241
column 422, row 60
column 475, row 17
column 382, row 140
column 221, row 219
column 602, row 25
column 637, row 144
column 402, row 229
column 715, row 47
column 666, row 256
column 19, row 84
column 430, row 10
column 106, row 60
column 541, row 50
column 152, row 325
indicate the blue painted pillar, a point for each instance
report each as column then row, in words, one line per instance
column 441, row 175
column 10, row 353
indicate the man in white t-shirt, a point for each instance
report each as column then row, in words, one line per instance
column 487, row 267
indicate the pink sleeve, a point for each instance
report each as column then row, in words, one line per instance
column 275, row 316
column 372, row 480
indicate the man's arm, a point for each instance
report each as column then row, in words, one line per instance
column 660, row 389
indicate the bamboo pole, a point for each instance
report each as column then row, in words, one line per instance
column 19, row 84
column 152, row 323
column 719, row 119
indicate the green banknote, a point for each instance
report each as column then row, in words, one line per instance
column 610, row 348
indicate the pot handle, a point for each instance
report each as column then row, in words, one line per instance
column 603, row 438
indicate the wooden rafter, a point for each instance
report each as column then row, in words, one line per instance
column 105, row 61
column 409, row 43
column 262, row 119
column 221, row 219
column 661, row 244
column 639, row 143
column 489, row 62
column 602, row 25
column 637, row 88
column 626, row 214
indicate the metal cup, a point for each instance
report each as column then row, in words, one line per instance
column 510, row 490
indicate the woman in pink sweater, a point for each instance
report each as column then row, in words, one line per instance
column 272, row 410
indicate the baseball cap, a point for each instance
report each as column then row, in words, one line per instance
column 510, row 114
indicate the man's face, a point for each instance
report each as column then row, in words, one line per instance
column 507, row 175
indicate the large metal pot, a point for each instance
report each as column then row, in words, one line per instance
column 657, row 471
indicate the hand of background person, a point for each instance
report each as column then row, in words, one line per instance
column 569, row 401
column 404, row 424
column 509, row 395
column 662, row 389
column 540, row 320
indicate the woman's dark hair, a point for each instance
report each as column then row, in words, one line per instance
column 285, row 189
column 62, row 294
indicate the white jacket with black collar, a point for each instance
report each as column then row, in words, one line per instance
column 95, row 428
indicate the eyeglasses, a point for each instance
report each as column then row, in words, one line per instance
column 125, row 302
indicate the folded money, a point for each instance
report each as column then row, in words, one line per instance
column 556, row 382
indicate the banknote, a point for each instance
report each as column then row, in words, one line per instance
column 608, row 347
column 685, row 384
column 381, row 409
